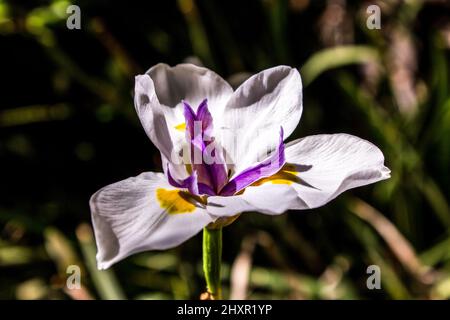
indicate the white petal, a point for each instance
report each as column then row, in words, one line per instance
column 228, row 206
column 253, row 116
column 267, row 198
column 177, row 170
column 158, row 95
column 191, row 83
column 328, row 165
column 128, row 218
column 156, row 120
column 319, row 169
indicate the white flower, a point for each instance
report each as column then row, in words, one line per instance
column 156, row 211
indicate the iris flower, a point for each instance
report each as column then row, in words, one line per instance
column 223, row 153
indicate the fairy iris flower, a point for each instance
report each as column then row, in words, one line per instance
column 223, row 153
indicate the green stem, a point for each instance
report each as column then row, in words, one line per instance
column 212, row 259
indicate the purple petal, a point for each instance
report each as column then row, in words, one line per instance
column 199, row 127
column 205, row 189
column 190, row 119
column 216, row 169
column 264, row 169
column 205, row 117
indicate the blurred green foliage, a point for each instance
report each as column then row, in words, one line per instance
column 68, row 127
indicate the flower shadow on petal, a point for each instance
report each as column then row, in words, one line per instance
column 302, row 168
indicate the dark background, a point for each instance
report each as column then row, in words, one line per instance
column 68, row 127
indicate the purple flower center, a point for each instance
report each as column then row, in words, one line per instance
column 208, row 171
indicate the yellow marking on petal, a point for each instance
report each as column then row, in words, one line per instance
column 181, row 126
column 287, row 175
column 175, row 201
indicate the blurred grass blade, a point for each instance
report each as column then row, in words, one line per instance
column 439, row 65
column 435, row 197
column 398, row 244
column 32, row 114
column 240, row 270
column 105, row 281
column 277, row 11
column 336, row 57
column 16, row 255
column 442, row 289
column 391, row 282
column 59, row 249
column 119, row 54
column 197, row 33
column 437, row 254
column 406, row 155
column 32, row 289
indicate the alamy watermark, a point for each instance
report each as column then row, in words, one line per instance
column 73, row 281
column 74, row 19
column 374, row 279
column 374, row 17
